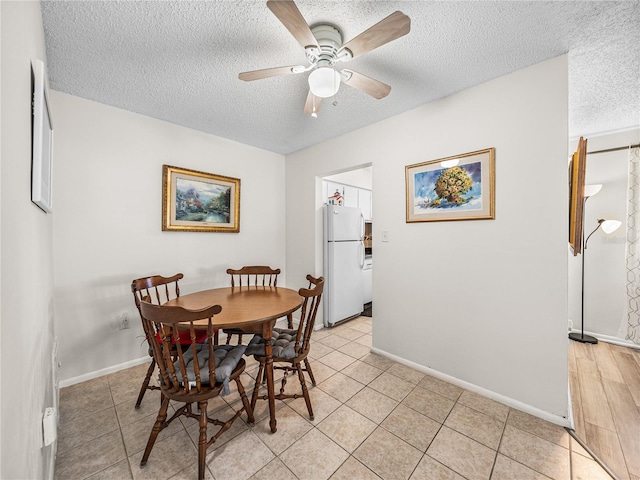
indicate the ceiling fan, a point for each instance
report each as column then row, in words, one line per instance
column 324, row 49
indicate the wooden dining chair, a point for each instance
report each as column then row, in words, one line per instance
column 259, row 275
column 160, row 290
column 187, row 381
column 291, row 346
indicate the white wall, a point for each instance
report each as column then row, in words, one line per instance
column 483, row 303
column 26, row 292
column 605, row 272
column 107, row 230
column 361, row 178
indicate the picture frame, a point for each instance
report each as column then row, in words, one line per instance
column 577, row 174
column 194, row 201
column 42, row 139
column 460, row 187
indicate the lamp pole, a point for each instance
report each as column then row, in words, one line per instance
column 581, row 337
column 608, row 226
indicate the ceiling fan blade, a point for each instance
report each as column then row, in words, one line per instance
column 290, row 16
column 269, row 72
column 394, row 26
column 368, row 85
column 312, row 104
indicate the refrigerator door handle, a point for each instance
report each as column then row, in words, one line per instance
column 362, row 227
column 363, row 254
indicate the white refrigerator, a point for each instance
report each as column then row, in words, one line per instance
column 343, row 262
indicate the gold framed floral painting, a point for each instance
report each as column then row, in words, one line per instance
column 194, row 201
column 461, row 187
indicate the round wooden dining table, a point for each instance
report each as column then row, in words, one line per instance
column 253, row 309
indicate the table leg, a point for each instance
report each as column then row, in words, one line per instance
column 268, row 352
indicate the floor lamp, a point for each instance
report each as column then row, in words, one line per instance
column 608, row 226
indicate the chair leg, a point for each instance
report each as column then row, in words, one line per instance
column 157, row 428
column 245, row 401
column 145, row 383
column 307, row 365
column 305, row 391
column 202, row 440
column 256, row 388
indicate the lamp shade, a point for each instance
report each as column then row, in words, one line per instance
column 324, row 82
column 610, row 226
column 591, row 190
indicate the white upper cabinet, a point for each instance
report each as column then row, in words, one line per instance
column 364, row 202
column 351, row 196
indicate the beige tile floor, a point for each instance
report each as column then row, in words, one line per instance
column 374, row 418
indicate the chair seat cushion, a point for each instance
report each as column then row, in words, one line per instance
column 226, row 357
column 283, row 342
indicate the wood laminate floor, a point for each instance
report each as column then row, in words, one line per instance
column 605, row 395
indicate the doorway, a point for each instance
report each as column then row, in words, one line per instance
column 353, row 188
column 603, row 378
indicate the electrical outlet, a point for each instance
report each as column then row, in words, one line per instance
column 124, row 321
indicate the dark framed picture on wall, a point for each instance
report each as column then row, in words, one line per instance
column 42, row 138
column 461, row 187
column 194, row 201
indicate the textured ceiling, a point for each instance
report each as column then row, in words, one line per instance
column 179, row 61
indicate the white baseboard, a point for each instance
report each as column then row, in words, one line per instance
column 571, row 424
column 104, row 371
column 557, row 419
column 609, row 339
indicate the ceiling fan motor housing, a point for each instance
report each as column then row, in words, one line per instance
column 330, row 40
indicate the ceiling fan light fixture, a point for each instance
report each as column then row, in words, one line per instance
column 324, row 82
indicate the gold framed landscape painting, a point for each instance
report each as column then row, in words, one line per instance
column 194, row 201
column 461, row 187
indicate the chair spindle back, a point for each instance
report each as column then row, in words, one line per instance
column 312, row 297
column 259, row 275
column 170, row 323
column 159, row 289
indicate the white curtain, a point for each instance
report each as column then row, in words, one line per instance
column 630, row 327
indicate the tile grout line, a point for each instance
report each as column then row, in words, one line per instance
column 124, row 445
column 504, row 427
